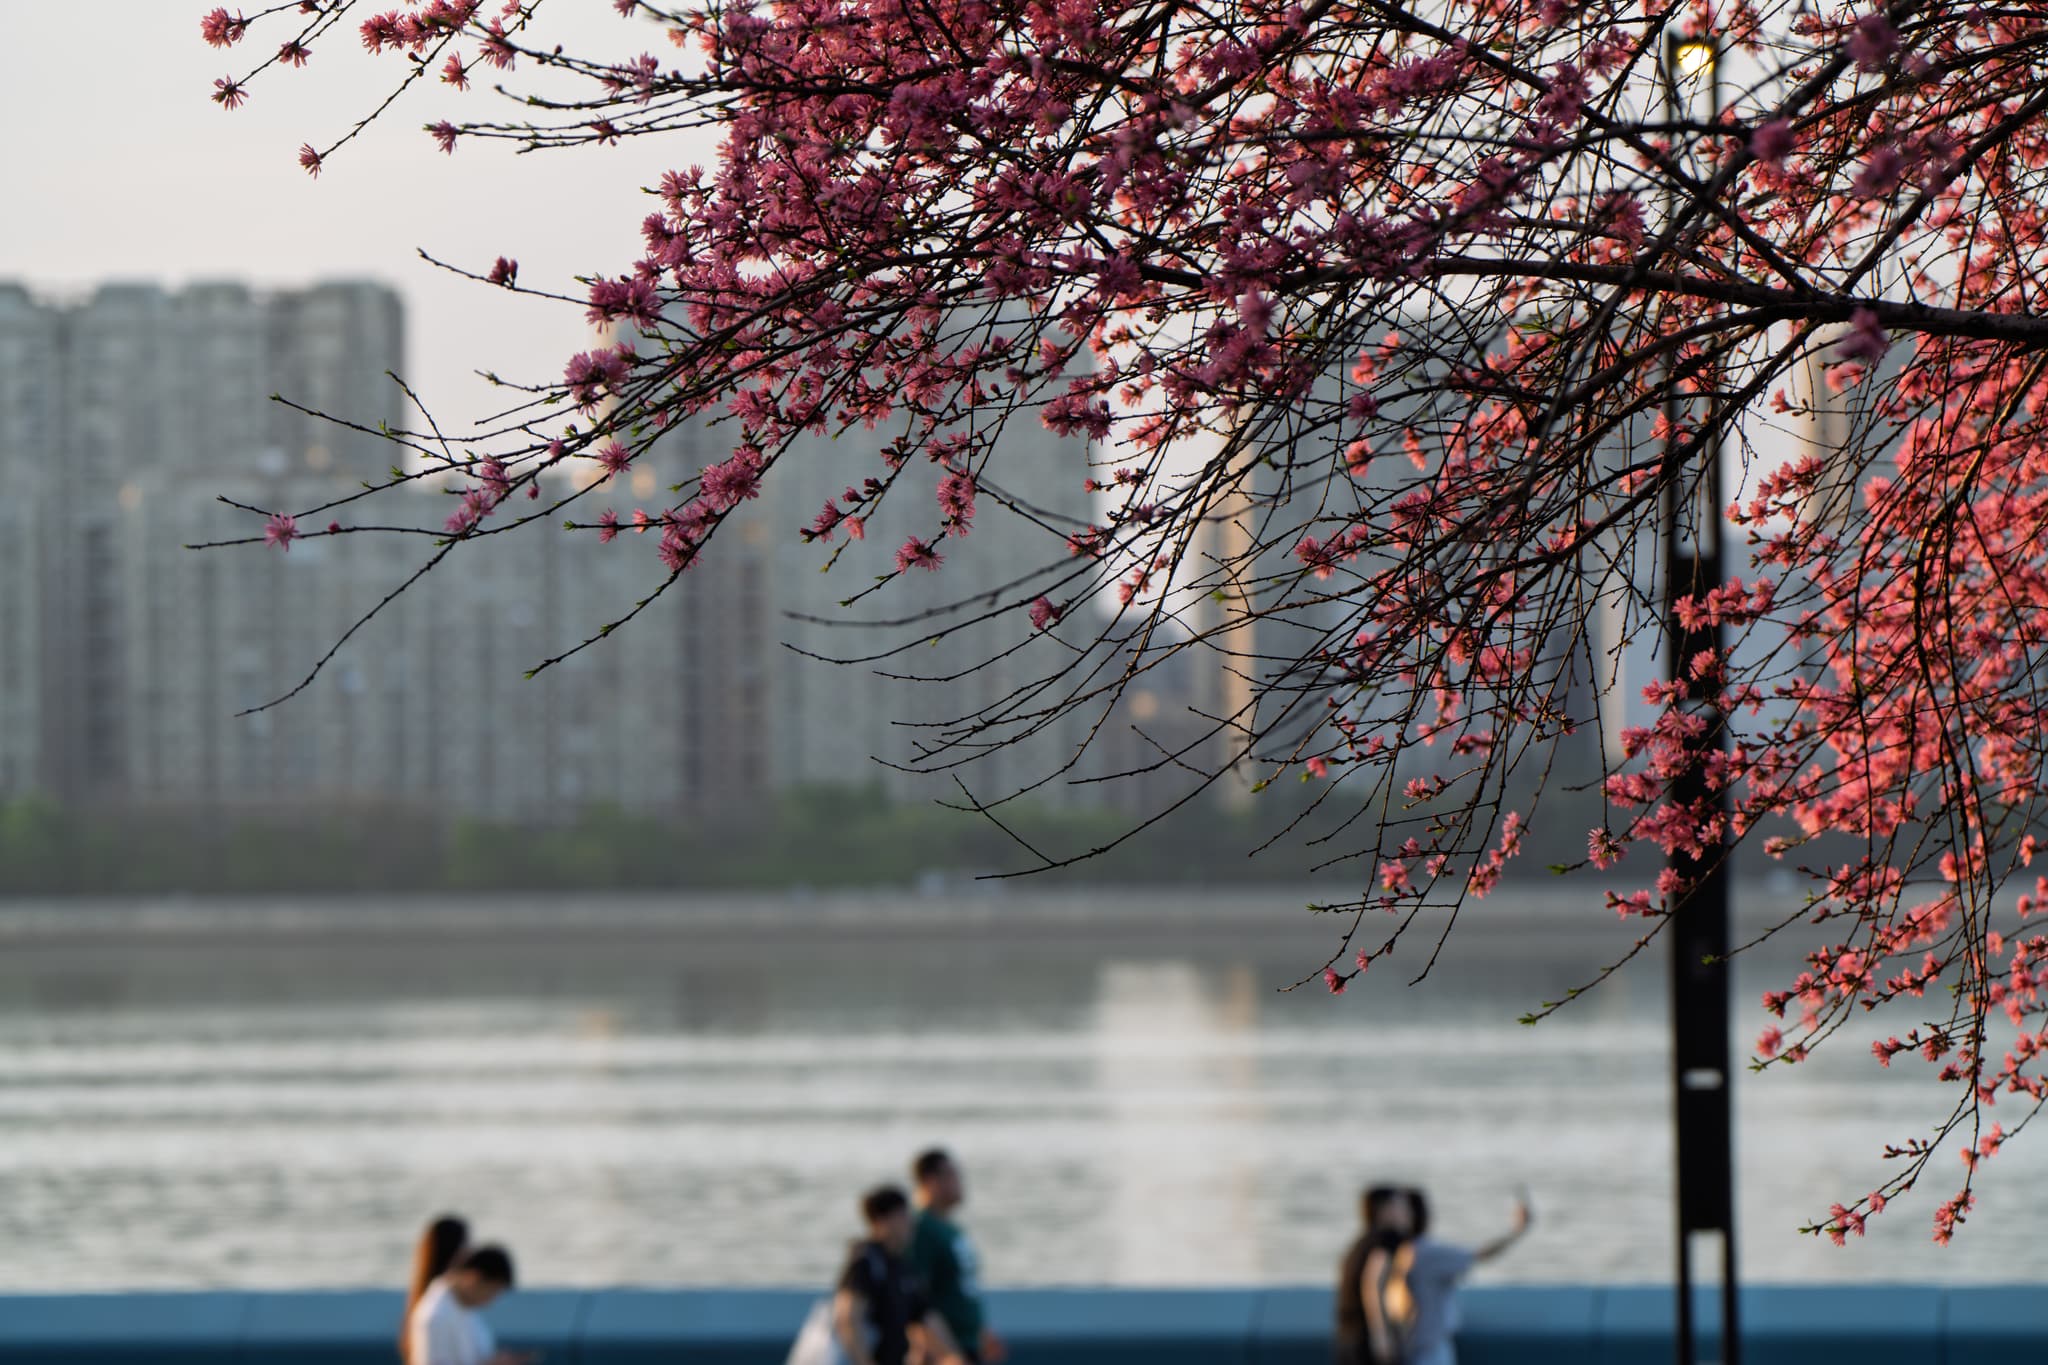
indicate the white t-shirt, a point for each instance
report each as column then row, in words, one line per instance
column 443, row 1332
column 1433, row 1277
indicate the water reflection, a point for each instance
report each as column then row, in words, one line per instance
column 699, row 1099
column 1181, row 1092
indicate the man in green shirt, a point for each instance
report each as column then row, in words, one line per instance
column 945, row 1259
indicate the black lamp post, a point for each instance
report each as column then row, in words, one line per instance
column 1701, row 1080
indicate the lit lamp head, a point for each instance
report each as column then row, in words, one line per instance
column 1693, row 58
column 1694, row 61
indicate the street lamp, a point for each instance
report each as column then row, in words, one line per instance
column 1694, row 57
column 1701, row 1081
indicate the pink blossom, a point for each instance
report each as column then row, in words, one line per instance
column 505, row 272
column 1044, row 615
column 593, row 375
column 220, row 29
column 1873, row 43
column 1255, row 311
column 956, row 500
column 281, row 530
column 915, row 553
column 678, row 551
column 229, row 93
column 310, row 159
column 1881, row 173
column 1635, row 903
column 1772, row 142
column 1866, row 340
column 1602, row 849
column 825, row 522
column 379, row 32
column 731, row 482
column 1319, row 557
column 630, row 297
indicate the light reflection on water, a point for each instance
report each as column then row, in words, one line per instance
column 648, row 1097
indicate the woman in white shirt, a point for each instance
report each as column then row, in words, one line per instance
column 441, row 1245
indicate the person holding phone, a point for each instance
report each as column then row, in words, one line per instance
column 1421, row 1291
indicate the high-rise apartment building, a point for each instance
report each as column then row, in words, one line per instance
column 935, row 674
column 130, row 663
column 28, row 469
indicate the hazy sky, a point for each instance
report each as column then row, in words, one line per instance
column 117, row 165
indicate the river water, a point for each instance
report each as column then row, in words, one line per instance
column 693, row 1091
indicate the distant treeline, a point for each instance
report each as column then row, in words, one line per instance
column 832, row 837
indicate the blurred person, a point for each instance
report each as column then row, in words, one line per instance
column 1366, row 1331
column 945, row 1259
column 441, row 1243
column 447, row 1325
column 1422, row 1278
column 881, row 1314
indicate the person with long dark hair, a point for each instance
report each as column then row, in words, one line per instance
column 1367, row 1334
column 441, row 1244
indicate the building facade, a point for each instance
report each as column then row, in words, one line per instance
column 134, row 668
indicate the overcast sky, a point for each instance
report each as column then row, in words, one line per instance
column 117, row 165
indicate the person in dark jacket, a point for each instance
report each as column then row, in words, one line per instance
column 881, row 1313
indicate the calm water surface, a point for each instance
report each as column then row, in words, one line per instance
column 690, row 1092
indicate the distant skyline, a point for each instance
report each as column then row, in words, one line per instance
column 140, row 176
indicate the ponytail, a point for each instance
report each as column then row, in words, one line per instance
column 434, row 1256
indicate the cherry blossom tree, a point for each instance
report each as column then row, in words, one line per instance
column 1403, row 328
